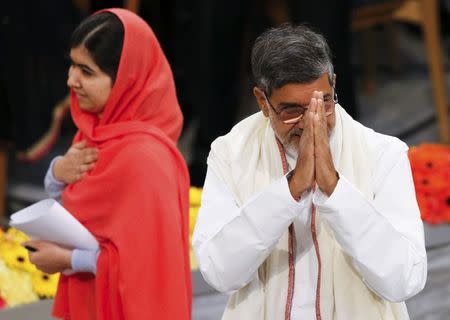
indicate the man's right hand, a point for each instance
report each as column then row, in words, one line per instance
column 304, row 173
column 77, row 161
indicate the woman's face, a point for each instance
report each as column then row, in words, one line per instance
column 91, row 85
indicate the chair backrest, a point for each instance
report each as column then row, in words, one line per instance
column 366, row 16
column 361, row 3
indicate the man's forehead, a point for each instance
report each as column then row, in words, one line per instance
column 322, row 83
column 297, row 92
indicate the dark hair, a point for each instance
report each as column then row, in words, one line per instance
column 290, row 54
column 102, row 35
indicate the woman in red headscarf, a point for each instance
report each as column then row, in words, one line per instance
column 135, row 198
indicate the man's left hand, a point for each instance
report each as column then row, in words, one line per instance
column 326, row 176
column 49, row 257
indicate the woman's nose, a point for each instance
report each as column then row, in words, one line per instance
column 72, row 78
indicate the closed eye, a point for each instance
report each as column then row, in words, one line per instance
column 293, row 109
column 291, row 106
column 86, row 72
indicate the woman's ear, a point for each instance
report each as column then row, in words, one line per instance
column 261, row 100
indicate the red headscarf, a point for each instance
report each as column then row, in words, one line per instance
column 135, row 200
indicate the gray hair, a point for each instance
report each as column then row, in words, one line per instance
column 290, row 54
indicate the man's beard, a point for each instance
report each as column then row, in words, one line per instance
column 290, row 143
column 292, row 139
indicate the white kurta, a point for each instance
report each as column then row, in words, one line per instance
column 386, row 243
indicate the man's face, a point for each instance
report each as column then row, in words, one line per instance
column 293, row 95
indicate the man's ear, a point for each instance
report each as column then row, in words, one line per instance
column 261, row 100
column 334, row 80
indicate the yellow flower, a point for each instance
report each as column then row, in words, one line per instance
column 15, row 286
column 16, row 235
column 45, row 284
column 192, row 219
column 12, row 252
column 20, row 281
column 194, row 264
column 195, row 196
column 16, row 257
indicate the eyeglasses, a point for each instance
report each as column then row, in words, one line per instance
column 294, row 114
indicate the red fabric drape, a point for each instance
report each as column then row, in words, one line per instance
column 135, row 200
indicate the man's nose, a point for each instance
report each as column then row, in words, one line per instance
column 301, row 124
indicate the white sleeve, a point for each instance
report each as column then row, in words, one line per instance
column 384, row 235
column 231, row 242
column 53, row 187
column 84, row 260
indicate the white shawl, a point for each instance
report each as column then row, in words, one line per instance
column 247, row 160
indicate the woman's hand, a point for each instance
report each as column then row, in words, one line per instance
column 77, row 161
column 49, row 257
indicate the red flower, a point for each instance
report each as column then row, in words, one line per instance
column 430, row 164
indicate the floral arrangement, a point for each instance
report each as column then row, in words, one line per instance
column 430, row 164
column 20, row 281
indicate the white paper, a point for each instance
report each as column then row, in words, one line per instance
column 48, row 220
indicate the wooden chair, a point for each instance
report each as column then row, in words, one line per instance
column 423, row 13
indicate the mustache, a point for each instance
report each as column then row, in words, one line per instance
column 294, row 132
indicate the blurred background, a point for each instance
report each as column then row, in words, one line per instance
column 393, row 74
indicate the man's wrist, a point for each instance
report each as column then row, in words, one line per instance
column 328, row 189
column 295, row 188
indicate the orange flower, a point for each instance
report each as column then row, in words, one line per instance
column 430, row 164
